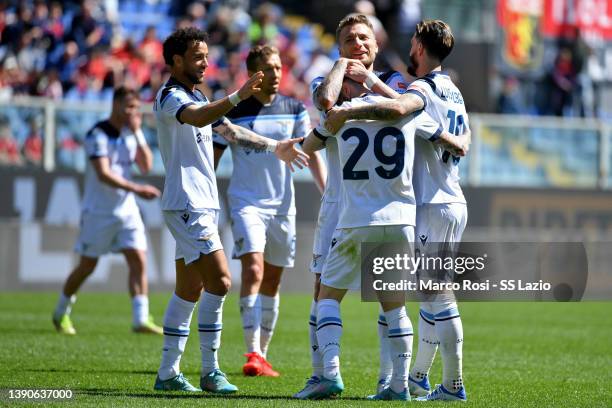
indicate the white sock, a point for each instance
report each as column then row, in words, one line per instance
column 250, row 322
column 176, row 331
column 210, row 324
column 329, row 331
column 64, row 305
column 269, row 316
column 428, row 343
column 449, row 330
column 315, row 353
column 140, row 310
column 386, row 365
column 400, row 341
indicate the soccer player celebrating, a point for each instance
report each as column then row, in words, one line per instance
column 358, row 50
column 190, row 203
column 377, row 204
column 262, row 204
column 110, row 219
column 442, row 210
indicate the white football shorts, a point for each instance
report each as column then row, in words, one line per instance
column 101, row 234
column 326, row 226
column 343, row 267
column 272, row 235
column 195, row 232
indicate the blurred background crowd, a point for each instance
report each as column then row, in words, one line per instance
column 511, row 57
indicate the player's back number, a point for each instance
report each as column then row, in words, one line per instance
column 396, row 159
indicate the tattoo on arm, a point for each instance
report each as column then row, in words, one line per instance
column 378, row 111
column 241, row 136
column 331, row 85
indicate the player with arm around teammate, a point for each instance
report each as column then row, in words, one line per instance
column 358, row 49
column 110, row 218
column 262, row 204
column 376, row 204
column 190, row 204
column 442, row 209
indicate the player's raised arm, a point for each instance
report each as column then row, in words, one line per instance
column 144, row 156
column 285, row 150
column 392, row 109
column 203, row 115
column 326, row 94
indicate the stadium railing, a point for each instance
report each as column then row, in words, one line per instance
column 507, row 150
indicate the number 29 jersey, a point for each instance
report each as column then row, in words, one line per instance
column 436, row 171
column 376, row 158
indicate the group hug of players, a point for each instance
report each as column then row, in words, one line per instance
column 392, row 149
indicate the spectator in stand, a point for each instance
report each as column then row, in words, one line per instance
column 9, row 149
column 66, row 63
column 86, row 30
column 152, row 48
column 510, row 98
column 562, row 80
column 33, row 145
column 264, row 29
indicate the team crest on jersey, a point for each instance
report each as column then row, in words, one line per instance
column 239, row 243
column 284, row 125
column 334, row 241
column 423, row 238
column 185, row 217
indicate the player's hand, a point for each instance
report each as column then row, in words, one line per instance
column 356, row 71
column 335, row 119
column 147, row 191
column 251, row 85
column 135, row 121
column 290, row 154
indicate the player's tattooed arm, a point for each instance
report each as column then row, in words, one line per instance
column 326, row 94
column 243, row 137
column 392, row 109
column 285, row 150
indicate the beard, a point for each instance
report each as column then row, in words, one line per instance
column 193, row 78
column 414, row 65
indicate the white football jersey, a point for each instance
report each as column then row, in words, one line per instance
column 436, row 171
column 376, row 159
column 264, row 184
column 104, row 140
column 395, row 81
column 186, row 151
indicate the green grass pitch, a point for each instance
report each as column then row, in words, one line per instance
column 515, row 354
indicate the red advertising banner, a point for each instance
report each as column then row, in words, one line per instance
column 592, row 17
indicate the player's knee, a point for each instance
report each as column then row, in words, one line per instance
column 225, row 284
column 86, row 266
column 252, row 274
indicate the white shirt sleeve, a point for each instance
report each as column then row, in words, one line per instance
column 96, row 144
column 397, row 83
column 426, row 127
column 175, row 103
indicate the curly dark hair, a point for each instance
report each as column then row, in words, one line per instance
column 436, row 36
column 178, row 42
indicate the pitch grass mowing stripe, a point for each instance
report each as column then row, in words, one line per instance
column 515, row 354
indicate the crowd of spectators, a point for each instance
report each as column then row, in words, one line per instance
column 79, row 51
